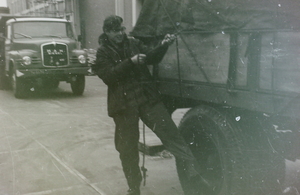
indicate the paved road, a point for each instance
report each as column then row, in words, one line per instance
column 55, row 143
column 58, row 144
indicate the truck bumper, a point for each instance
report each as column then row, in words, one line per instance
column 27, row 73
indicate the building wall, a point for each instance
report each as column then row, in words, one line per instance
column 93, row 13
column 17, row 5
column 49, row 8
column 73, row 10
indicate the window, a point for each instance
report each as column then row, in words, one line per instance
column 22, row 30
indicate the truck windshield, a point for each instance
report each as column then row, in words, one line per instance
column 38, row 29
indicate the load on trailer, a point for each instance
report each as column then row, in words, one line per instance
column 236, row 65
column 40, row 52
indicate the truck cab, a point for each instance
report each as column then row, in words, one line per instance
column 40, row 52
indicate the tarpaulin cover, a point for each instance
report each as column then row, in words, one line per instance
column 159, row 17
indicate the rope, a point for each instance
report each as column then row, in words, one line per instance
column 144, row 170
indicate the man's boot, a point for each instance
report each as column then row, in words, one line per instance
column 136, row 191
column 134, row 185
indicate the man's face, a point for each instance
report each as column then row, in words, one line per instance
column 116, row 35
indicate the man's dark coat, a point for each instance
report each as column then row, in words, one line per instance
column 128, row 84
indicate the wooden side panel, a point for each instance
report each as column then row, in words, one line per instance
column 280, row 62
column 202, row 58
column 287, row 62
column 205, row 57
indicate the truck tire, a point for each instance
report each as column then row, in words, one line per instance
column 19, row 86
column 217, row 145
column 4, row 81
column 78, row 84
column 2, row 76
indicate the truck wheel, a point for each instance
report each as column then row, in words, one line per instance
column 19, row 86
column 217, row 145
column 78, row 84
column 2, row 77
column 4, row 81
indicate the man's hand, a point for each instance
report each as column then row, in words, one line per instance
column 138, row 59
column 169, row 39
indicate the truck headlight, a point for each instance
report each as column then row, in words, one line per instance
column 82, row 59
column 26, row 60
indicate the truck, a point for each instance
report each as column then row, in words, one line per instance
column 40, row 52
column 235, row 67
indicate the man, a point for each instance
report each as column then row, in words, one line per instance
column 121, row 64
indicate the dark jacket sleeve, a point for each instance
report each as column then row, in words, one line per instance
column 110, row 71
column 155, row 54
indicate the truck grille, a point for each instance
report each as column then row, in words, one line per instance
column 55, row 54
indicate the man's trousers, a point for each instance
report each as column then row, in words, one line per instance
column 157, row 118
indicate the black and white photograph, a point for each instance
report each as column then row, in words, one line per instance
column 149, row 97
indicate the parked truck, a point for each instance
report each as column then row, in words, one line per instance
column 40, row 52
column 236, row 65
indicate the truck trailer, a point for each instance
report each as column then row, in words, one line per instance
column 235, row 66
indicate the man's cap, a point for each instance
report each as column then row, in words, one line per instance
column 112, row 23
